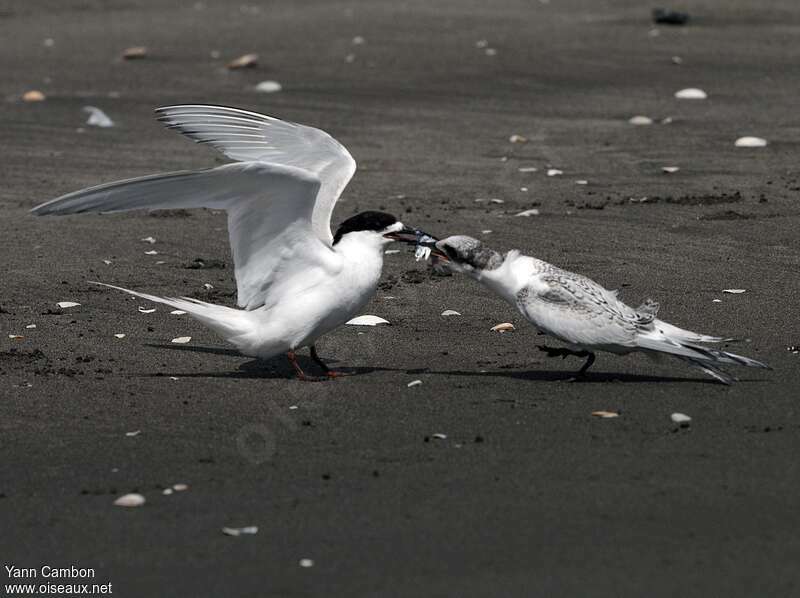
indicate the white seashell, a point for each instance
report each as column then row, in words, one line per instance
column 120, row 335
column 518, row 139
column 680, row 418
column 414, row 383
column 605, row 414
column 107, row 262
column 64, row 304
column 306, row 563
column 366, row 320
column 531, row 212
column 691, row 93
column 527, row 169
column 143, row 310
column 181, row 340
column 150, row 240
column 554, row 172
column 498, row 201
column 734, row 291
column 180, row 487
column 439, row 436
column 450, row 312
column 208, row 286
column 239, row 531
column 151, row 252
column 640, row 120
column 98, row 118
column 177, row 312
column 716, row 300
column 30, row 326
column 269, row 87
column 523, row 189
column 167, row 491
column 130, row 500
column 504, row 327
column 134, row 433
column 670, row 169
column 751, row 142
column 391, row 251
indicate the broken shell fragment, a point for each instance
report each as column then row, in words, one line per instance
column 527, row 169
column 450, row 312
column 751, row 142
column 180, row 487
column 64, row 304
column 134, row 53
column 669, row 169
column 98, row 118
column 439, row 436
column 120, row 335
column 240, row 531
column 177, row 312
column 144, row 310
column 367, row 320
column 130, row 500
column 243, row 62
column 605, row 414
column 640, row 120
column 681, row 418
column 531, row 212
column 734, row 291
column 414, row 383
column 504, row 327
column 691, row 93
column 554, row 172
column 34, row 95
column 518, row 139
column 181, row 340
column 269, row 87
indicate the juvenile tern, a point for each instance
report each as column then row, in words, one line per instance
column 580, row 312
column 295, row 280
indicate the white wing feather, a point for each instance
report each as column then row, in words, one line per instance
column 269, row 207
column 246, row 136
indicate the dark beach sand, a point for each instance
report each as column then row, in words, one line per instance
column 528, row 495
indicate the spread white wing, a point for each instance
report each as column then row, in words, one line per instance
column 247, row 136
column 279, row 200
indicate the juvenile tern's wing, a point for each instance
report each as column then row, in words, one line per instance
column 245, row 136
column 578, row 310
column 270, row 209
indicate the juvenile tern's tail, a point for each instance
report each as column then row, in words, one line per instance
column 665, row 338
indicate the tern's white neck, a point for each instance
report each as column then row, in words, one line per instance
column 506, row 280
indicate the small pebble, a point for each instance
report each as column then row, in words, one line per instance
column 130, row 500
column 751, row 142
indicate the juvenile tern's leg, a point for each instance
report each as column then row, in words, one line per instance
column 328, row 371
column 301, row 375
column 564, row 353
column 590, row 357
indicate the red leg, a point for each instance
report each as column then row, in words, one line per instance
column 301, row 375
column 328, row 371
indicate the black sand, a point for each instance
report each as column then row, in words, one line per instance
column 528, row 495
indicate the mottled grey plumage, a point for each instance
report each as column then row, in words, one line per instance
column 580, row 312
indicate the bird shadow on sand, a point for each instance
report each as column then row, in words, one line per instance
column 277, row 367
column 566, row 376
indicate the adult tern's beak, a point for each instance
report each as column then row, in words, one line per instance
column 405, row 235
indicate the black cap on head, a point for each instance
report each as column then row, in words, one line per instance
column 374, row 221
